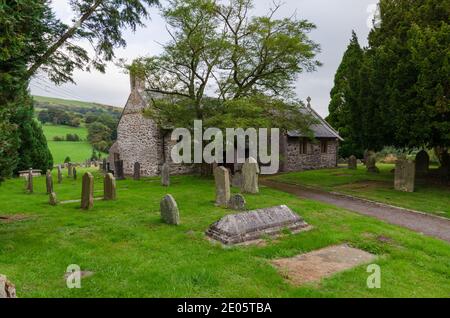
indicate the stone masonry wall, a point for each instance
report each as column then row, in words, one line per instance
column 314, row 159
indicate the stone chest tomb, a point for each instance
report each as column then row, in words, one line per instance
column 251, row 226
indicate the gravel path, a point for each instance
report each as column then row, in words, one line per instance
column 423, row 223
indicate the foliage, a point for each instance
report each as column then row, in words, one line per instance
column 67, row 160
column 99, row 136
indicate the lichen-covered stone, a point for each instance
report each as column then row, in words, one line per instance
column 237, row 202
column 250, row 171
column 165, row 175
column 109, row 187
column 405, row 175
column 250, row 226
column 222, row 181
column 371, row 163
column 352, row 163
column 169, row 210
column 87, row 192
column 52, row 199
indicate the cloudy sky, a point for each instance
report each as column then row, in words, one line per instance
column 335, row 19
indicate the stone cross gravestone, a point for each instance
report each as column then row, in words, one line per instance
column 237, row 202
column 169, row 210
column 30, row 181
column 422, row 162
column 165, row 175
column 49, row 182
column 118, row 166
column 352, row 163
column 250, row 171
column 137, row 171
column 60, row 177
column 405, row 175
column 74, row 172
column 223, row 192
column 52, row 199
column 371, row 163
column 109, row 187
column 250, row 226
column 87, row 192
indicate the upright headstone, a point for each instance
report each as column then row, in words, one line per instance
column 49, row 182
column 52, row 199
column 109, row 187
column 237, row 202
column 223, row 192
column 371, row 163
column 118, row 168
column 352, row 163
column 422, row 162
column 87, row 192
column 74, row 172
column 405, row 175
column 165, row 175
column 169, row 210
column 250, row 171
column 70, row 169
column 236, row 180
column 30, row 181
column 60, row 177
column 137, row 171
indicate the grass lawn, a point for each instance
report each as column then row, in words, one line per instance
column 77, row 151
column 133, row 254
column 429, row 198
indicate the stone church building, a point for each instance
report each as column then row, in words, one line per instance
column 139, row 139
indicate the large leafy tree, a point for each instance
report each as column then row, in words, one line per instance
column 32, row 39
column 228, row 68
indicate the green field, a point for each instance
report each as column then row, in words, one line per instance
column 427, row 197
column 52, row 101
column 133, row 254
column 77, row 151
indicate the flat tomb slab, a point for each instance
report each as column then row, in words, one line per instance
column 315, row 265
column 251, row 226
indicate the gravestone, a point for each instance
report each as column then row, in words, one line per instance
column 165, row 175
column 52, row 199
column 422, row 162
column 250, row 171
column 7, row 289
column 30, row 181
column 222, row 179
column 405, row 175
column 87, row 192
column 352, row 163
column 118, row 168
column 70, row 169
column 237, row 202
column 137, row 171
column 251, row 226
column 169, row 210
column 49, row 182
column 74, row 172
column 109, row 187
column 60, row 177
column 236, row 180
column 371, row 164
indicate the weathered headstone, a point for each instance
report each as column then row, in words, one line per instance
column 352, row 163
column 60, row 177
column 30, row 181
column 250, row 226
column 74, row 172
column 169, row 210
column 52, row 199
column 49, row 182
column 405, row 175
column 236, row 180
column 223, row 192
column 137, row 171
column 7, row 289
column 237, row 202
column 109, row 187
column 118, row 169
column 250, row 171
column 87, row 192
column 371, row 163
column 70, row 169
column 422, row 162
column 165, row 175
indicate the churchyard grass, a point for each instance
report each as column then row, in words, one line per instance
column 134, row 254
column 428, row 197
